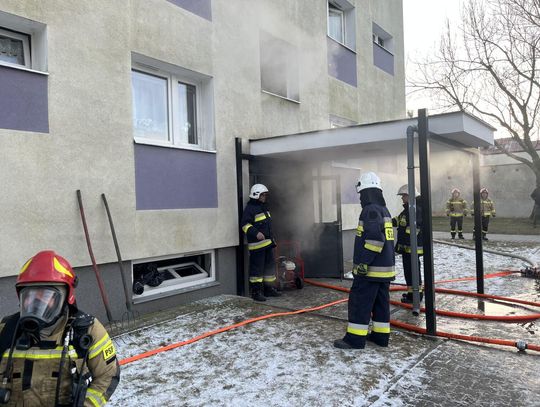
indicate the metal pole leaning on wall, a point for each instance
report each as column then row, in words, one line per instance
column 429, row 282
column 478, row 225
column 412, row 220
column 240, row 266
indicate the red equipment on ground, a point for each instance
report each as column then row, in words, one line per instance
column 289, row 265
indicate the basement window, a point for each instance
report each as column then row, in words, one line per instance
column 163, row 277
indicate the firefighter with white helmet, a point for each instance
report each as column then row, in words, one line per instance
column 53, row 354
column 403, row 244
column 456, row 208
column 373, row 269
column 256, row 223
column 487, row 211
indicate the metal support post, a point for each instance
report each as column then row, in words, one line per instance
column 427, row 231
column 478, row 225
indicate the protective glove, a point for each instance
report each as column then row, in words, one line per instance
column 360, row 269
column 493, row 215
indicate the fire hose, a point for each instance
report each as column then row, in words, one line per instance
column 521, row 345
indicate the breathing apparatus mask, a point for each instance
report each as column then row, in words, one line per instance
column 41, row 307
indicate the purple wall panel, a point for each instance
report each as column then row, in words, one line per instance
column 171, row 178
column 341, row 62
column 202, row 8
column 23, row 100
column 383, row 59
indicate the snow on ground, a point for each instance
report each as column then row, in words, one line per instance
column 290, row 361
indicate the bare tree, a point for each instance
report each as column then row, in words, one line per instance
column 488, row 66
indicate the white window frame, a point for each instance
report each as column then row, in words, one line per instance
column 170, row 287
column 174, row 138
column 25, row 38
column 378, row 35
column 332, row 8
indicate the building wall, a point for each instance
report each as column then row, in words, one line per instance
column 87, row 142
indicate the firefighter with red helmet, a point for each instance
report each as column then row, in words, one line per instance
column 373, row 269
column 51, row 353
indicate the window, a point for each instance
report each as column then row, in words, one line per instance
column 279, row 67
column 14, row 48
column 336, row 24
column 162, row 277
column 23, row 43
column 342, row 23
column 171, row 106
column 382, row 38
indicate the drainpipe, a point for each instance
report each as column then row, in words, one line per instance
column 412, row 220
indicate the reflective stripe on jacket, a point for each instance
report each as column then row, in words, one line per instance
column 256, row 218
column 456, row 207
column 36, row 370
column 374, row 244
column 404, row 231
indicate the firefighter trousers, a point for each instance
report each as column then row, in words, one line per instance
column 262, row 266
column 456, row 221
column 368, row 300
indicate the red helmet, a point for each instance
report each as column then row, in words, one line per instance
column 50, row 269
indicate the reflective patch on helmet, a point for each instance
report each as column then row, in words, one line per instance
column 61, row 269
column 23, row 269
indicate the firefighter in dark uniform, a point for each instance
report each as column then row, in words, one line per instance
column 456, row 208
column 373, row 269
column 403, row 244
column 53, row 354
column 487, row 211
column 257, row 225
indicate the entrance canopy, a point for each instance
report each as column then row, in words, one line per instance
column 456, row 127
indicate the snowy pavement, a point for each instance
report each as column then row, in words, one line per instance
column 290, row 360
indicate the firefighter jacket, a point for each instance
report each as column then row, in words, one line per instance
column 374, row 257
column 403, row 244
column 36, row 371
column 487, row 208
column 256, row 218
column 456, row 207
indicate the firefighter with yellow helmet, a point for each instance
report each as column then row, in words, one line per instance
column 456, row 208
column 53, row 354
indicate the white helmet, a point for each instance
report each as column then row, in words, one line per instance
column 257, row 190
column 368, row 180
column 404, row 190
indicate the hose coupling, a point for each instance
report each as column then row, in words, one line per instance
column 521, row 345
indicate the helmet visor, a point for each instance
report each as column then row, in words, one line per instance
column 43, row 303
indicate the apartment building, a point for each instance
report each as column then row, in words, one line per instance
column 142, row 100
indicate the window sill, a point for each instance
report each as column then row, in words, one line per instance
column 384, row 49
column 22, row 68
column 136, row 299
column 154, row 143
column 340, row 43
column 280, row 96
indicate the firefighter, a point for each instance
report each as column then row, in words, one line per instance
column 53, row 354
column 456, row 208
column 257, row 225
column 403, row 245
column 373, row 269
column 487, row 210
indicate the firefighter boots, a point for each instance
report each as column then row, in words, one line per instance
column 460, row 235
column 270, row 291
column 378, row 339
column 453, row 234
column 348, row 342
column 256, row 292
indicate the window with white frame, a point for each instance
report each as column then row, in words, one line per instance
column 165, row 276
column 171, row 107
column 279, row 67
column 23, row 42
column 15, row 48
column 342, row 23
column 382, row 38
column 336, row 23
